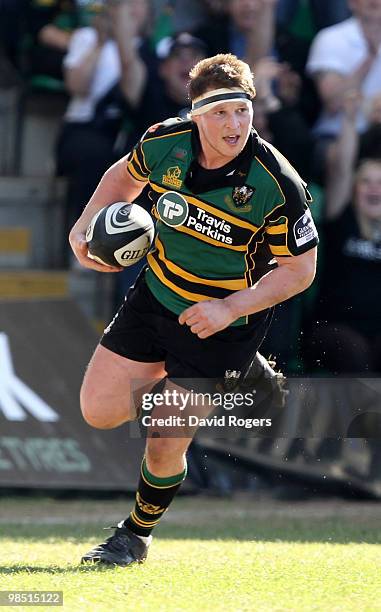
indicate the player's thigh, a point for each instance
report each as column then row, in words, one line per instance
column 113, row 385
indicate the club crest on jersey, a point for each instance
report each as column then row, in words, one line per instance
column 242, row 195
column 241, row 198
column 172, row 177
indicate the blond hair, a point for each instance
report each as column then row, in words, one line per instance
column 220, row 71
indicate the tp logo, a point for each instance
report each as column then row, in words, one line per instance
column 16, row 395
column 172, row 208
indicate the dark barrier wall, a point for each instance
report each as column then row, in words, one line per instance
column 328, row 432
column 44, row 442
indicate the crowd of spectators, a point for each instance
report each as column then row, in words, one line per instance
column 124, row 65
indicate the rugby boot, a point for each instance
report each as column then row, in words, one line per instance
column 123, row 548
column 268, row 383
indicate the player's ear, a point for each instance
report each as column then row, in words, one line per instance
column 194, row 118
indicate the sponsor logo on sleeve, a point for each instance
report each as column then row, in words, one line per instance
column 304, row 229
column 172, row 177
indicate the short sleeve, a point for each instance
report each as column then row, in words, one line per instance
column 143, row 157
column 137, row 164
column 139, row 161
column 290, row 229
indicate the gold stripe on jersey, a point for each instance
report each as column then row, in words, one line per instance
column 142, row 162
column 154, row 212
column 139, row 164
column 280, row 250
column 165, row 136
column 277, row 229
column 211, row 209
column 135, row 174
column 250, row 261
column 192, row 297
column 247, row 265
column 278, row 237
column 143, row 155
column 203, row 238
column 157, row 138
column 293, row 170
column 272, row 236
column 231, row 284
column 274, row 179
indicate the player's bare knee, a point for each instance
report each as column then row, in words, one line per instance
column 94, row 417
column 99, row 412
column 89, row 407
column 161, row 451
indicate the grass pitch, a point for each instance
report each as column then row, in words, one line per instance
column 208, row 554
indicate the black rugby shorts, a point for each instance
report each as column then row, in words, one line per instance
column 144, row 330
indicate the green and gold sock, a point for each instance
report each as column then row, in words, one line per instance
column 153, row 497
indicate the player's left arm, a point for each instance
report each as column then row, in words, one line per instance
column 292, row 276
column 291, row 235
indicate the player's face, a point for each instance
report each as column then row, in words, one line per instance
column 224, row 131
column 368, row 191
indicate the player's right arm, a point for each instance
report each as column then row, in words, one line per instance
column 116, row 185
column 123, row 182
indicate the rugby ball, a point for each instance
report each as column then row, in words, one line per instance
column 120, row 234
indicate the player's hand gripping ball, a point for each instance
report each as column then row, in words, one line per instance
column 120, row 234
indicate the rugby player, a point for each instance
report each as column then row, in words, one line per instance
column 234, row 238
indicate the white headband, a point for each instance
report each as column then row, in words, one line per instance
column 208, row 100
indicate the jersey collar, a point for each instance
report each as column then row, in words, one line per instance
column 233, row 174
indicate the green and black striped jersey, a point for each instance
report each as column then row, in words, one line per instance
column 217, row 230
